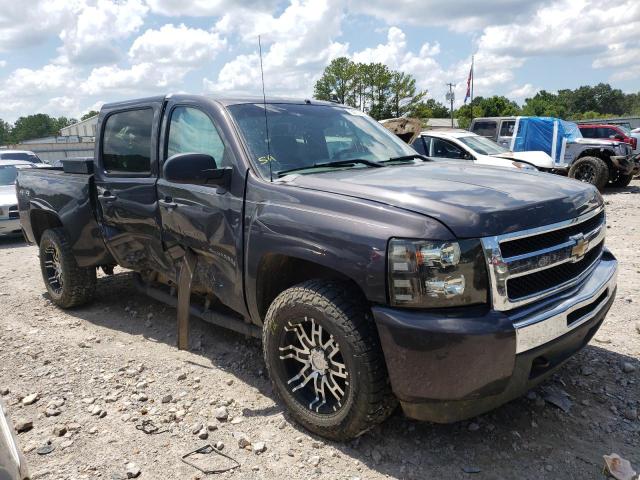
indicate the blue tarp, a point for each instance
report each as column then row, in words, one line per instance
column 546, row 134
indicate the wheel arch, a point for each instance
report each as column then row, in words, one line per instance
column 602, row 154
column 276, row 272
column 42, row 220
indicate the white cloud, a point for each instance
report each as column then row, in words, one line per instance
column 617, row 55
column 520, row 93
column 28, row 23
column 90, row 38
column 205, row 8
column 457, row 15
column 141, row 78
column 297, row 45
column 3, row 63
column 48, row 80
column 176, row 45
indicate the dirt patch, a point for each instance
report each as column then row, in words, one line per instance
column 87, row 378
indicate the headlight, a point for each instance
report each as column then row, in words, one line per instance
column 435, row 274
column 524, row 166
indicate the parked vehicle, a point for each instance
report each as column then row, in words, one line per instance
column 371, row 274
column 635, row 133
column 462, row 145
column 23, row 155
column 58, row 163
column 12, row 463
column 595, row 161
column 610, row 132
column 9, row 217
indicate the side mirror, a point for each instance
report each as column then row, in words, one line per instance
column 195, row 169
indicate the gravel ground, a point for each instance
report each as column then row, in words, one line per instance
column 86, row 377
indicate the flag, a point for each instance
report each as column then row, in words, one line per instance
column 469, row 83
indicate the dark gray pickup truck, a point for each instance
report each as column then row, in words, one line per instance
column 372, row 274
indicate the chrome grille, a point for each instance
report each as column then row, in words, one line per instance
column 526, row 266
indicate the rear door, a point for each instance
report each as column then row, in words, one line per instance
column 205, row 218
column 126, row 176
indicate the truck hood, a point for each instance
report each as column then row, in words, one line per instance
column 8, row 195
column 471, row 201
column 538, row 159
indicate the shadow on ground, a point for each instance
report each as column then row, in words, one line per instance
column 12, row 242
column 536, row 438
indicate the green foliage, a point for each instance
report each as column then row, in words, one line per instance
column 599, row 101
column 429, row 108
column 35, row 126
column 5, row 132
column 496, row 106
column 371, row 87
column 89, row 114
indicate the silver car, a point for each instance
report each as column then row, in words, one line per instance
column 12, row 464
column 9, row 216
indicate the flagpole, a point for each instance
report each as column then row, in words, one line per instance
column 473, row 74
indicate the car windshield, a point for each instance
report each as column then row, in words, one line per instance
column 301, row 136
column 8, row 174
column 625, row 129
column 482, row 145
column 27, row 157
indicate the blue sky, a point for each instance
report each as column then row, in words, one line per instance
column 64, row 57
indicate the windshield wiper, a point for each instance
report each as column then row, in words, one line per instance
column 407, row 157
column 338, row 163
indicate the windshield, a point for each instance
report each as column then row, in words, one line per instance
column 306, row 135
column 482, row 145
column 8, row 174
column 624, row 128
column 27, row 157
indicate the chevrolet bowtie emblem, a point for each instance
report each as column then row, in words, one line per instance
column 580, row 248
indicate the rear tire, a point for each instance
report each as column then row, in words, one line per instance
column 621, row 181
column 591, row 170
column 327, row 337
column 68, row 284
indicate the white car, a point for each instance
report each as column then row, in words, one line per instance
column 22, row 155
column 636, row 134
column 9, row 216
column 461, row 145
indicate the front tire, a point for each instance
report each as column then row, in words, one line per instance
column 68, row 284
column 621, row 181
column 325, row 361
column 591, row 170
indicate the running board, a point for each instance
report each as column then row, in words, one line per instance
column 209, row 316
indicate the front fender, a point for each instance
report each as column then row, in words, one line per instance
column 344, row 234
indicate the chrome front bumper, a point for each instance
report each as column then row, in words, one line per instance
column 543, row 323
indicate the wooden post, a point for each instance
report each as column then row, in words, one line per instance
column 184, row 297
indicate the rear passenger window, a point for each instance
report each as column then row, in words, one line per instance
column 486, row 129
column 588, row 132
column 126, row 144
column 506, row 129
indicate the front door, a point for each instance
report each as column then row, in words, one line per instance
column 126, row 185
column 204, row 218
column 445, row 150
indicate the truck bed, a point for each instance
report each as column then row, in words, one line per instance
column 50, row 197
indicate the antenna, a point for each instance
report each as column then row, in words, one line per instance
column 266, row 117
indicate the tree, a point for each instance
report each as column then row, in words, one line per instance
column 429, row 108
column 89, row 114
column 5, row 132
column 371, row 87
column 33, row 126
column 496, row 106
column 403, row 94
column 336, row 81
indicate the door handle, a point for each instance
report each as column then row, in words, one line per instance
column 167, row 202
column 106, row 195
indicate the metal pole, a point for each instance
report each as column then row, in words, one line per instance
column 451, row 98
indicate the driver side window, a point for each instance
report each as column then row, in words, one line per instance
column 192, row 131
